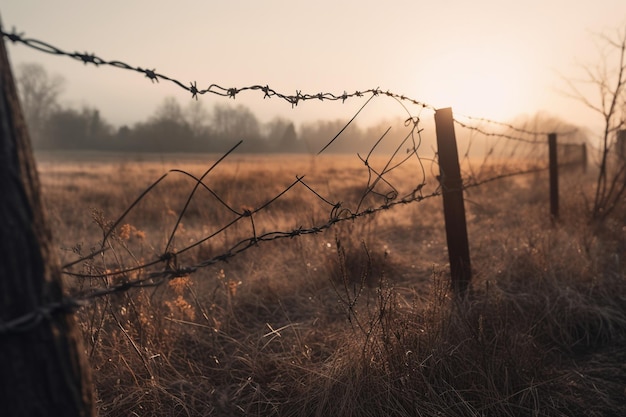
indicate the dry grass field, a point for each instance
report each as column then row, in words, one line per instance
column 356, row 320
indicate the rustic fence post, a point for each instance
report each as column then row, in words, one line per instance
column 584, row 157
column 453, row 205
column 554, row 177
column 43, row 370
column 620, row 143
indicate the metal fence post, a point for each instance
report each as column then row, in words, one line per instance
column 453, row 205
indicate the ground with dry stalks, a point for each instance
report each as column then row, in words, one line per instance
column 354, row 321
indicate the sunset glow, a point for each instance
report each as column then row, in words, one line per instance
column 478, row 81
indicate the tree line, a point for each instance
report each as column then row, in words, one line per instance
column 174, row 128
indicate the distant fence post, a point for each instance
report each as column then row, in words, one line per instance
column 453, row 205
column 584, row 157
column 554, row 177
column 620, row 143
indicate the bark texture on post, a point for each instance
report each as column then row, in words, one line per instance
column 43, row 369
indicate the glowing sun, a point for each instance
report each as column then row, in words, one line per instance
column 478, row 82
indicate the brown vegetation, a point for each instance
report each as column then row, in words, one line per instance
column 355, row 321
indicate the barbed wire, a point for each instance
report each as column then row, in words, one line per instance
column 472, row 181
column 486, row 133
column 516, row 128
column 231, row 92
column 534, row 141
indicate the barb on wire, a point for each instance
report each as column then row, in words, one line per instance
column 33, row 318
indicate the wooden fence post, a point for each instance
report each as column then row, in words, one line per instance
column 584, row 157
column 620, row 143
column 453, row 205
column 554, row 177
column 43, row 369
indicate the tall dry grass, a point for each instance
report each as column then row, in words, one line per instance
column 356, row 321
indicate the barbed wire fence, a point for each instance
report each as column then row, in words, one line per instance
column 381, row 192
column 495, row 150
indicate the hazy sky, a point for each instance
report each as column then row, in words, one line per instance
column 485, row 58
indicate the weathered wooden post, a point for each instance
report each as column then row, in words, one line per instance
column 584, row 157
column 620, row 143
column 453, row 205
column 43, row 370
column 554, row 177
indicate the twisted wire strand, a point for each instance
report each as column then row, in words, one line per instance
column 517, row 129
column 231, row 92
